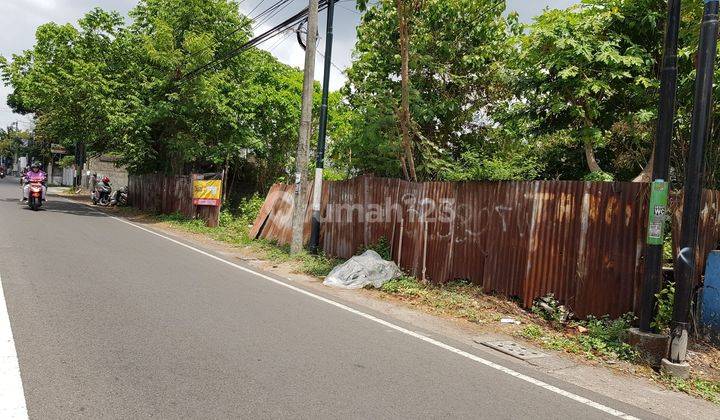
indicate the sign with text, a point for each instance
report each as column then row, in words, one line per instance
column 207, row 192
column 659, row 213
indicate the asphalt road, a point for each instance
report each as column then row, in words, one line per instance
column 115, row 322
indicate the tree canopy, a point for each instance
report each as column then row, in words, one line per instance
column 572, row 95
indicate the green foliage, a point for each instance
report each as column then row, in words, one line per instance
column 704, row 388
column 318, row 265
column 67, row 161
column 606, row 337
column 455, row 53
column 532, row 332
column 490, row 99
column 664, row 308
column 132, row 88
column 599, row 176
column 498, row 167
column 602, row 338
column 404, row 286
column 234, row 230
column 588, row 72
column 250, row 207
column 382, row 247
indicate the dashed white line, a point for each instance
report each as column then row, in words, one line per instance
column 577, row 398
column 12, row 396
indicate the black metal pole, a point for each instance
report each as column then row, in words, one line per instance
column 322, row 131
column 661, row 158
column 686, row 260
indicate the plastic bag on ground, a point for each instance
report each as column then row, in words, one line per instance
column 362, row 270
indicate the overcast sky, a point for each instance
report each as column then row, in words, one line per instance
column 20, row 18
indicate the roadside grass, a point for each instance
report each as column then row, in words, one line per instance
column 460, row 299
column 233, row 230
column 593, row 339
column 703, row 388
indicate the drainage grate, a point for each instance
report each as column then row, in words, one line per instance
column 514, row 349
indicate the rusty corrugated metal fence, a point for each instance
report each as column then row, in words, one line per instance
column 582, row 241
column 167, row 194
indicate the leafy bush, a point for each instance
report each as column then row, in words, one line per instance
column 317, row 265
column 599, row 176
column 664, row 306
column 250, row 207
column 382, row 247
column 405, row 285
column 606, row 336
column 66, row 161
column 532, row 332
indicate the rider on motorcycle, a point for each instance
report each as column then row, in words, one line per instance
column 35, row 174
column 101, row 190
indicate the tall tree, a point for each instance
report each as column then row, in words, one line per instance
column 453, row 51
column 587, row 74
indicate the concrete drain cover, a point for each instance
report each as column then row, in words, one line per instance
column 514, row 349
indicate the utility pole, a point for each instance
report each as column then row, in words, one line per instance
column 661, row 169
column 320, row 158
column 301, row 163
column 687, row 258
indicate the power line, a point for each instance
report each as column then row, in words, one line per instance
column 256, row 6
column 331, row 62
column 282, row 4
column 275, row 31
column 283, row 39
column 225, row 37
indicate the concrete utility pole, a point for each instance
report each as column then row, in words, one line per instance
column 301, row 163
column 661, row 168
column 687, row 259
column 320, row 160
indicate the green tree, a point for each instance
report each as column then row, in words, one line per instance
column 67, row 82
column 583, row 80
column 454, row 52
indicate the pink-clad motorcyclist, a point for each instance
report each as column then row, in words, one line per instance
column 35, row 174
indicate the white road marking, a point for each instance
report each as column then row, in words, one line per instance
column 12, row 396
column 582, row 400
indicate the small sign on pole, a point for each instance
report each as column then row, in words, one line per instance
column 659, row 213
column 207, row 192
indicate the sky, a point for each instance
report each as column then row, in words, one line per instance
column 20, row 18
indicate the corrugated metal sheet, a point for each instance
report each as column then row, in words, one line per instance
column 709, row 226
column 167, row 195
column 582, row 241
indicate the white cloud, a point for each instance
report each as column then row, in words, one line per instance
column 43, row 4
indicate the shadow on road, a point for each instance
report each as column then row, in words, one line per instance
column 70, row 208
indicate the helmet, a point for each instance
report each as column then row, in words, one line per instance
column 36, row 164
column 105, row 179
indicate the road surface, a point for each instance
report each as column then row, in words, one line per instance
column 113, row 321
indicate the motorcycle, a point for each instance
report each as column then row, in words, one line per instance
column 35, row 195
column 119, row 198
column 2, row 173
column 101, row 195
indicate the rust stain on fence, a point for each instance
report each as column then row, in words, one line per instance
column 582, row 241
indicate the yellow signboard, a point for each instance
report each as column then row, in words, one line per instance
column 207, row 193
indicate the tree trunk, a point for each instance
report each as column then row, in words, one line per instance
column 403, row 165
column 646, row 174
column 590, row 157
column 402, row 11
